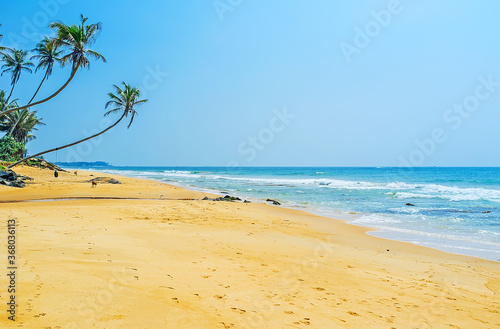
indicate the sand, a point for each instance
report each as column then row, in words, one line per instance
column 149, row 255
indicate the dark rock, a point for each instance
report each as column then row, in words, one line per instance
column 8, row 175
column 56, row 173
column 10, row 178
column 18, row 183
column 227, row 198
column 103, row 180
column 246, row 201
column 276, row 203
column 410, row 204
column 5, row 182
column 231, row 198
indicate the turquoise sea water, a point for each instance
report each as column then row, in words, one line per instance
column 456, row 209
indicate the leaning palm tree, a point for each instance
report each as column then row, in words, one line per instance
column 122, row 100
column 77, row 38
column 47, row 54
column 20, row 125
column 15, row 64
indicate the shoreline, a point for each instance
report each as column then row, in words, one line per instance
column 148, row 246
column 348, row 217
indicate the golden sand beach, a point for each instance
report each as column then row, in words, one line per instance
column 144, row 254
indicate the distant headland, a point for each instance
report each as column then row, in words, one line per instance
column 94, row 164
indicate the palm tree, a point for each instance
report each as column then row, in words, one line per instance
column 77, row 38
column 15, row 63
column 20, row 124
column 1, row 48
column 4, row 105
column 123, row 100
column 47, row 54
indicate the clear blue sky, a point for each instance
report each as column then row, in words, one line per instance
column 364, row 83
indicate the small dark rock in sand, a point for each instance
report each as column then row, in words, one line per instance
column 246, row 201
column 410, row 204
column 276, row 203
column 103, row 180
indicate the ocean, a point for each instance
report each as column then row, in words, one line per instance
column 451, row 209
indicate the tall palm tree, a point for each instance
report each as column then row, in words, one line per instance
column 20, row 125
column 123, row 100
column 77, row 38
column 15, row 64
column 47, row 54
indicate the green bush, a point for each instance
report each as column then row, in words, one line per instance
column 10, row 150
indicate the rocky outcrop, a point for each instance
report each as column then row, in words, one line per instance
column 225, row 198
column 10, row 178
column 44, row 165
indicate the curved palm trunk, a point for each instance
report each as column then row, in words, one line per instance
column 31, row 100
column 40, row 86
column 14, row 126
column 46, row 99
column 10, row 94
column 68, row 145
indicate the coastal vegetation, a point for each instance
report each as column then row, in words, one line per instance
column 69, row 46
